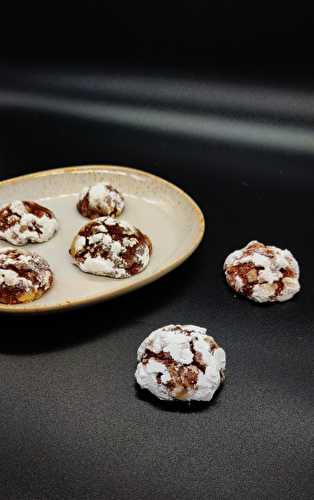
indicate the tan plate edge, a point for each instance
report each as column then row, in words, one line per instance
column 101, row 297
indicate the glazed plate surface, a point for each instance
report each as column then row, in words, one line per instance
column 164, row 212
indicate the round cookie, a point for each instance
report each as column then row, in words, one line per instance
column 23, row 222
column 24, row 276
column 100, row 200
column 108, row 247
column 180, row 362
column 263, row 273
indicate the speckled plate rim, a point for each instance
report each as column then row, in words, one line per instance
column 101, row 297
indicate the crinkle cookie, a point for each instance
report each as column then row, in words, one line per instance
column 180, row 362
column 108, row 247
column 263, row 273
column 24, row 276
column 100, row 200
column 23, row 222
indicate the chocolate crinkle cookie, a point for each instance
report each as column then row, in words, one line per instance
column 23, row 222
column 100, row 200
column 263, row 273
column 180, row 362
column 24, row 276
column 112, row 248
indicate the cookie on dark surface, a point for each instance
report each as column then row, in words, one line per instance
column 263, row 273
column 180, row 362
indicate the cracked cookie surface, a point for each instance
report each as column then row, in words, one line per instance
column 99, row 200
column 23, row 222
column 24, row 276
column 180, row 362
column 263, row 273
column 107, row 247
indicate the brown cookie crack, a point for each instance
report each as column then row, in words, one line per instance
column 86, row 209
column 130, row 255
column 182, row 375
column 250, row 273
column 9, row 218
column 35, row 270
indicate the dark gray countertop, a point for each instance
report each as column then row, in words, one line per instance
column 72, row 423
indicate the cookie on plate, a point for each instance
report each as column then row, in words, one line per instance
column 100, row 200
column 180, row 362
column 23, row 222
column 263, row 273
column 107, row 247
column 24, row 276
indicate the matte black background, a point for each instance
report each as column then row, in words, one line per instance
column 271, row 40
column 72, row 423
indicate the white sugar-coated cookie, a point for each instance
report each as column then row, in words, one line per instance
column 23, row 222
column 107, row 247
column 263, row 273
column 100, row 200
column 24, row 276
column 180, row 362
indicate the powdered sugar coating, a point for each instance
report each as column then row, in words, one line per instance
column 180, row 362
column 23, row 222
column 100, row 200
column 107, row 247
column 24, row 276
column 263, row 273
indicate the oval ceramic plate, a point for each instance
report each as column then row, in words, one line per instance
column 164, row 212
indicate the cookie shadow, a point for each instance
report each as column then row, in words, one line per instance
column 177, row 406
column 259, row 305
column 33, row 334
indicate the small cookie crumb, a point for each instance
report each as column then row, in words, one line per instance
column 24, row 276
column 100, row 200
column 107, row 247
column 263, row 273
column 180, row 362
column 23, row 222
